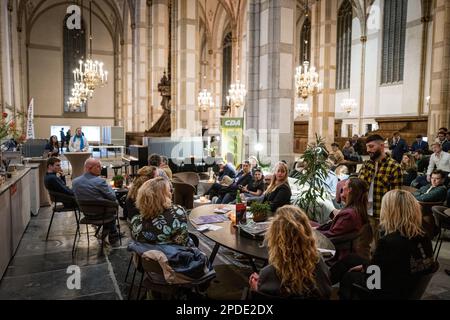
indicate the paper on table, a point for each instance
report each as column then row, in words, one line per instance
column 333, row 252
column 210, row 227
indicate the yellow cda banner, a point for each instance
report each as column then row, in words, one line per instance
column 232, row 138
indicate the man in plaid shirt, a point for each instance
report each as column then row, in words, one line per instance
column 382, row 173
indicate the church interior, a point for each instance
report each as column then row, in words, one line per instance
column 116, row 98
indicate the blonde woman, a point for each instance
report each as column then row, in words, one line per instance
column 403, row 254
column 144, row 174
column 278, row 193
column 159, row 221
column 295, row 268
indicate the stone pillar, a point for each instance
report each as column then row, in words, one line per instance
column 439, row 113
column 140, row 69
column 323, row 42
column 159, row 53
column 270, row 104
column 184, row 98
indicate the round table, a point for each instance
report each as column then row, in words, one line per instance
column 228, row 236
column 77, row 160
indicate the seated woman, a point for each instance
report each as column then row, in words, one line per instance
column 353, row 215
column 295, row 268
column 403, row 254
column 52, row 147
column 159, row 221
column 348, row 151
column 409, row 169
column 144, row 174
column 256, row 187
column 278, row 192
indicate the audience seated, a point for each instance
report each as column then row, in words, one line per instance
column 442, row 139
column 165, row 167
column 403, row 253
column 228, row 193
column 419, row 144
column 254, row 164
column 348, row 151
column 435, row 191
column 409, row 169
column 422, row 160
column 90, row 186
column 354, row 214
column 295, row 268
column 337, row 154
column 144, row 174
column 54, row 179
column 225, row 170
column 156, row 160
column 159, row 221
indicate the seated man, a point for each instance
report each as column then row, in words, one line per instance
column 90, row 186
column 55, row 180
column 225, row 170
column 228, row 193
column 435, row 191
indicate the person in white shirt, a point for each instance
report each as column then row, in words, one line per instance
column 440, row 160
column 78, row 143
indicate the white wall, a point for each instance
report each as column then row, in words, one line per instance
column 383, row 100
column 46, row 73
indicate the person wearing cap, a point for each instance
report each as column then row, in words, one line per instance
column 382, row 173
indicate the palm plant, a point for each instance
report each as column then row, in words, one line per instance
column 312, row 180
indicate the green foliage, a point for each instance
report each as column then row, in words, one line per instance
column 119, row 177
column 260, row 207
column 312, row 180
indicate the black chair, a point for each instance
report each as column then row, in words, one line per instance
column 442, row 220
column 63, row 203
column 416, row 293
column 183, row 194
column 98, row 213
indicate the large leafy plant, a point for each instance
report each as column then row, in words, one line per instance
column 311, row 181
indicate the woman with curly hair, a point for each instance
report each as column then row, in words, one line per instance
column 159, row 221
column 144, row 174
column 295, row 268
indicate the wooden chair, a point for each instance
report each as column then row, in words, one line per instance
column 183, row 194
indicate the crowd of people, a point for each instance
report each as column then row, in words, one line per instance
column 370, row 202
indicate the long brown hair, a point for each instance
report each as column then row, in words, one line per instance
column 292, row 250
column 273, row 181
column 358, row 198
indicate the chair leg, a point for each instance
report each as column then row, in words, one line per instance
column 75, row 238
column 50, row 225
column 437, row 241
column 128, row 269
column 132, row 284
column 118, row 227
column 140, row 286
column 87, row 233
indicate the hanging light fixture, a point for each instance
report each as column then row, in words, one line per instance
column 91, row 72
column 302, row 109
column 348, row 105
column 205, row 100
column 306, row 78
column 237, row 92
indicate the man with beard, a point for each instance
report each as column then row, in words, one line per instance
column 382, row 174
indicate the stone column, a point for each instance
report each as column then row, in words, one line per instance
column 159, row 53
column 140, row 69
column 184, row 98
column 270, row 103
column 440, row 70
column 323, row 42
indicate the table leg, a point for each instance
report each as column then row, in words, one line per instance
column 213, row 253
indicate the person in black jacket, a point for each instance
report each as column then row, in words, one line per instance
column 403, row 254
column 228, row 193
column 55, row 180
column 278, row 192
column 398, row 147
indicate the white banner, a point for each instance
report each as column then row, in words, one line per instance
column 30, row 125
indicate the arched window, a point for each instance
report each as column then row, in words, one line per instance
column 305, row 42
column 74, row 44
column 344, row 45
column 226, row 67
column 394, row 30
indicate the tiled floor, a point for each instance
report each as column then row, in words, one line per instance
column 39, row 268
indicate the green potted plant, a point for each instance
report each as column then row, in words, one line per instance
column 118, row 181
column 312, row 179
column 260, row 211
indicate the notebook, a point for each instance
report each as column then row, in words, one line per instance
column 210, row 219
